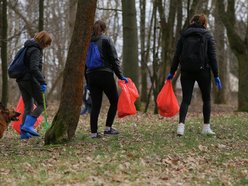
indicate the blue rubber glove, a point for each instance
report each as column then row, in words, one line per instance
column 125, row 79
column 43, row 88
column 218, row 82
column 170, row 76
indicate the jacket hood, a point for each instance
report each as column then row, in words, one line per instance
column 31, row 43
column 194, row 28
column 95, row 38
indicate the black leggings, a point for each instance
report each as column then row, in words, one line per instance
column 99, row 82
column 30, row 91
column 203, row 79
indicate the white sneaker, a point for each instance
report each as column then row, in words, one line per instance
column 180, row 129
column 207, row 130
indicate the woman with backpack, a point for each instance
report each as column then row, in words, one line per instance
column 32, row 84
column 196, row 54
column 101, row 64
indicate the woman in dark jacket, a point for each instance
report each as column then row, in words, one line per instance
column 202, row 76
column 32, row 84
column 100, row 78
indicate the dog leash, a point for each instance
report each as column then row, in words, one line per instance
column 45, row 111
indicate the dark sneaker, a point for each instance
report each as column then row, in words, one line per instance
column 96, row 136
column 111, row 132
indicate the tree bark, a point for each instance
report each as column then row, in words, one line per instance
column 72, row 15
column 155, row 60
column 143, row 96
column 239, row 48
column 130, row 40
column 66, row 119
column 41, row 15
column 4, row 53
column 130, row 43
column 167, row 38
column 221, row 96
column 166, row 43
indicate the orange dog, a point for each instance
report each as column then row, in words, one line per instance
column 6, row 115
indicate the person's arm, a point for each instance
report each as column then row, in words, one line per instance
column 211, row 52
column 176, row 58
column 34, row 62
column 113, row 59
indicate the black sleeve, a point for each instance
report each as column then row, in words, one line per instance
column 34, row 62
column 113, row 58
column 177, row 55
column 212, row 55
column 85, row 75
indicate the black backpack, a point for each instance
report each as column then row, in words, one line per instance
column 194, row 52
column 17, row 67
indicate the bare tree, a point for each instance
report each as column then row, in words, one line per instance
column 239, row 46
column 65, row 121
column 130, row 40
column 221, row 96
column 142, row 50
column 4, row 51
column 41, row 15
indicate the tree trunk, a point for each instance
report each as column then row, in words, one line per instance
column 130, row 40
column 142, row 51
column 41, row 15
column 221, row 96
column 4, row 53
column 239, row 48
column 167, row 41
column 72, row 15
column 167, row 38
column 65, row 121
column 155, row 65
column 147, row 55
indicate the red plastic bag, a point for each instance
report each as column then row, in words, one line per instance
column 20, row 108
column 166, row 101
column 127, row 97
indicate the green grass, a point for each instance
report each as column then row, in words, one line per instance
column 147, row 152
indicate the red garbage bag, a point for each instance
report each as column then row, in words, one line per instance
column 127, row 98
column 166, row 101
column 20, row 108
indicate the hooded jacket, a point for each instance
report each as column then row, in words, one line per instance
column 33, row 61
column 108, row 54
column 211, row 50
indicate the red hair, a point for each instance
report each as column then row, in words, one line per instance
column 199, row 19
column 43, row 38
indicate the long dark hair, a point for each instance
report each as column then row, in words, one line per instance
column 99, row 28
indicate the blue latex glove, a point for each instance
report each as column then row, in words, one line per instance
column 218, row 82
column 43, row 88
column 125, row 79
column 170, row 76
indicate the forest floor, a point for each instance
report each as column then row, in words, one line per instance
column 146, row 152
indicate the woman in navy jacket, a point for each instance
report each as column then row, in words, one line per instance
column 32, row 84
